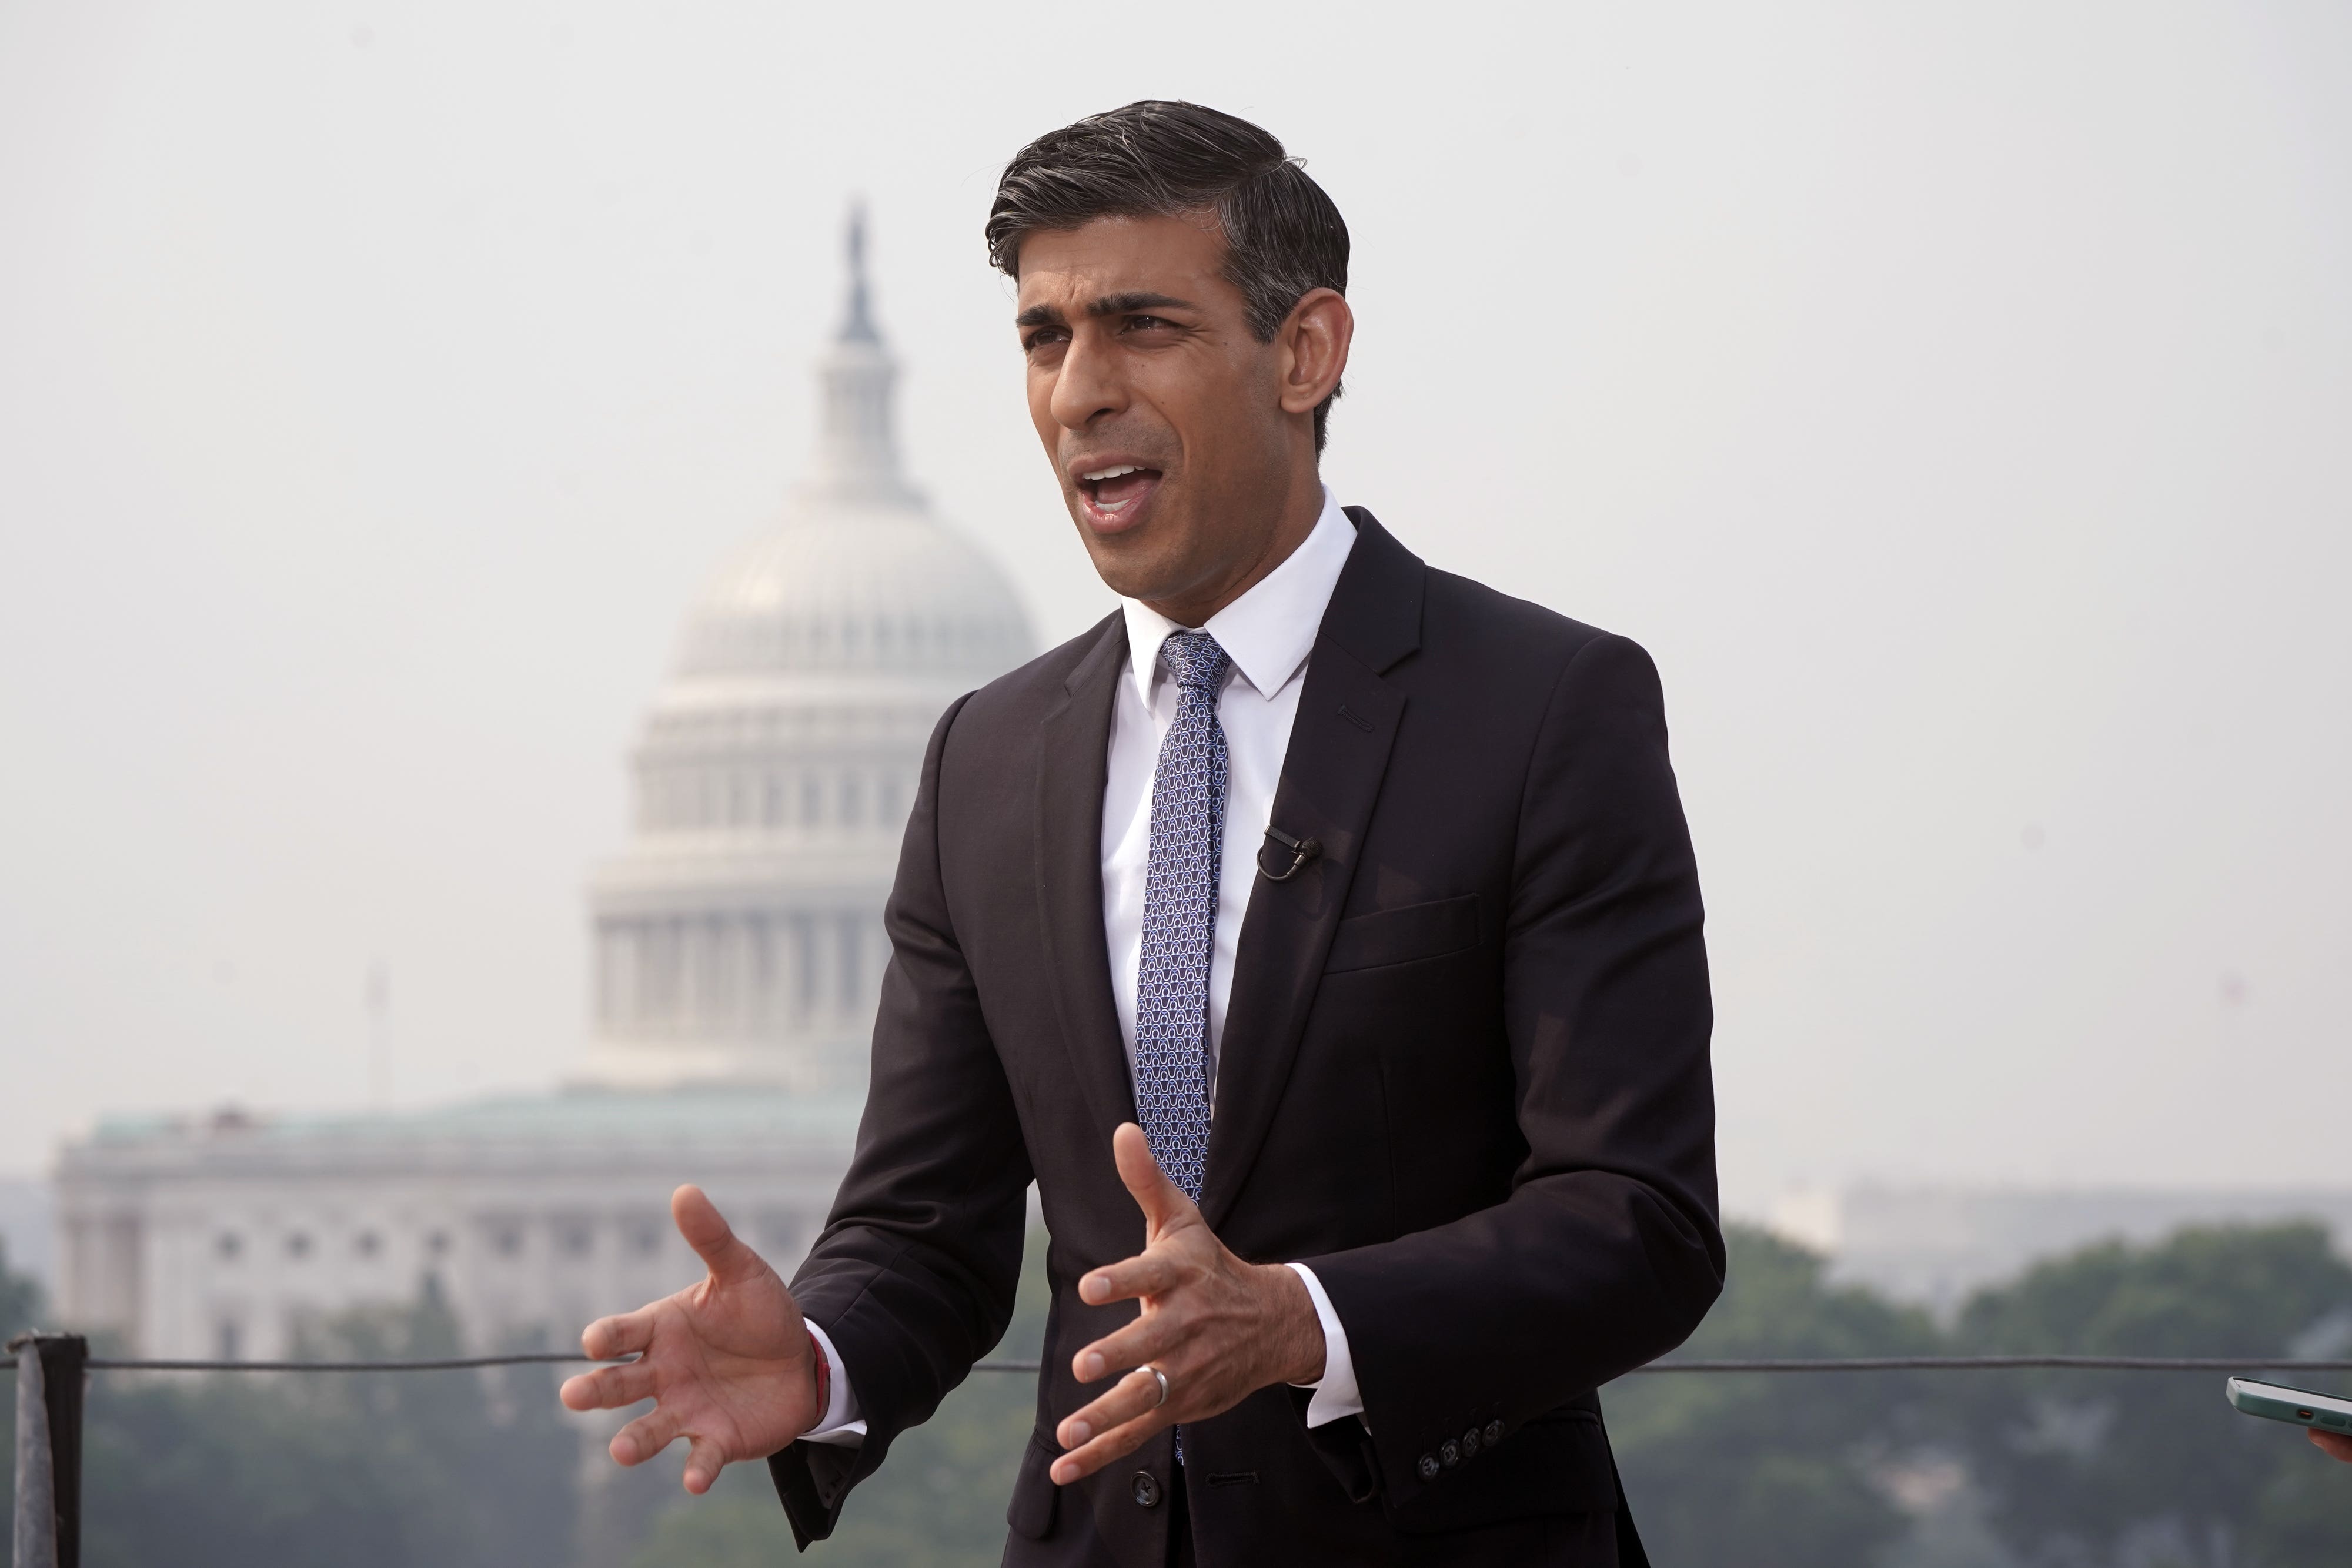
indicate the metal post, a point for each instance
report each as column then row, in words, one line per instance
column 37, row 1514
column 49, row 1373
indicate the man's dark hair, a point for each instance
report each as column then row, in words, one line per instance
column 1161, row 159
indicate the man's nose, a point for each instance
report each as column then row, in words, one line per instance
column 1087, row 385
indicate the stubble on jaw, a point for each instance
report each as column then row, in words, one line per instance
column 1181, row 560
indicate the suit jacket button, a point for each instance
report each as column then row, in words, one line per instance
column 1493, row 1433
column 1145, row 1489
column 1470, row 1441
column 1449, row 1453
column 1427, row 1467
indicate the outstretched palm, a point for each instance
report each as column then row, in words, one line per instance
column 727, row 1362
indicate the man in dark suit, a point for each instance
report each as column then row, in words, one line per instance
column 1319, row 933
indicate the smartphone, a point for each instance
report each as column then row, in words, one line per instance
column 2296, row 1406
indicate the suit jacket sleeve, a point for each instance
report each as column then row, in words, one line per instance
column 913, row 1277
column 1607, row 1251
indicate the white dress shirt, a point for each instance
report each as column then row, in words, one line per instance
column 1267, row 633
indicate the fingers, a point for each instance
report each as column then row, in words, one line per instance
column 1146, row 1339
column 1132, row 1397
column 703, row 1463
column 707, row 1232
column 646, row 1436
column 657, row 1430
column 608, row 1387
column 1133, row 1412
column 624, row 1333
column 1163, row 1201
column 2332, row 1443
column 1149, row 1273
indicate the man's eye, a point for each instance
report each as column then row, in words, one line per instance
column 1044, row 336
column 1146, row 323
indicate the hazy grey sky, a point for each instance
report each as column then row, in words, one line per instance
column 1956, row 399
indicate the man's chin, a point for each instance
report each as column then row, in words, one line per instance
column 1135, row 564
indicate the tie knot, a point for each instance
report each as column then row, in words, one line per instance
column 1195, row 662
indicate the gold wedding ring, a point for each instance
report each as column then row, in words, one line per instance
column 1163, row 1383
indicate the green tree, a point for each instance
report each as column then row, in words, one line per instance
column 1767, row 1469
column 2098, row 1466
column 20, row 1298
column 376, row 1470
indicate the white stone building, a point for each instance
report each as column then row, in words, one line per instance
column 738, row 952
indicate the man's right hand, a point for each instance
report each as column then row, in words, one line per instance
column 2332, row 1443
column 727, row 1362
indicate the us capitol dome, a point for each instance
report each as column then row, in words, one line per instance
column 738, row 936
column 736, row 955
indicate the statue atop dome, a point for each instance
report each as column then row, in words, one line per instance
column 857, row 448
column 858, row 324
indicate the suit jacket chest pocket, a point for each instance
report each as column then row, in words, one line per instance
column 1404, row 936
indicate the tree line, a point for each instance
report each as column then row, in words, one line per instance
column 2005, row 1469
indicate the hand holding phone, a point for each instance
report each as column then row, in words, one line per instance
column 2328, row 1417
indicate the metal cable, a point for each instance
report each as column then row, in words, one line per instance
column 445, row 1363
column 2006, row 1363
column 1848, row 1363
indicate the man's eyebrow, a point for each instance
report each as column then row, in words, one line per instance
column 1137, row 300
column 1108, row 305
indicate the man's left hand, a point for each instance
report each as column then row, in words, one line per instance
column 1217, row 1328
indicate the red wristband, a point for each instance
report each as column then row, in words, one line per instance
column 824, row 1380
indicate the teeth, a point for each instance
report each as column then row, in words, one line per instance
column 1102, row 474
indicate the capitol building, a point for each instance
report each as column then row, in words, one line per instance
column 737, row 949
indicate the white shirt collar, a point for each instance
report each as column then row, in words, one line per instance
column 1268, row 631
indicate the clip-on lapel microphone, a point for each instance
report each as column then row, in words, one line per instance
column 1289, row 856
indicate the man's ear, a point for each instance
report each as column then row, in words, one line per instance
column 1313, row 343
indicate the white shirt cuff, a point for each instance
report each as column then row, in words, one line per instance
column 1335, row 1394
column 843, row 1425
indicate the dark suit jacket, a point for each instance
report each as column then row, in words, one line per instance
column 1464, row 1076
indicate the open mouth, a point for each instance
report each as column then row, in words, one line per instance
column 1115, row 493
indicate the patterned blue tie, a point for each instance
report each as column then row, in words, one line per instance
column 1180, row 915
column 1180, row 920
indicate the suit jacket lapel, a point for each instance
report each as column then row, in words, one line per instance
column 1340, row 744
column 1073, row 762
